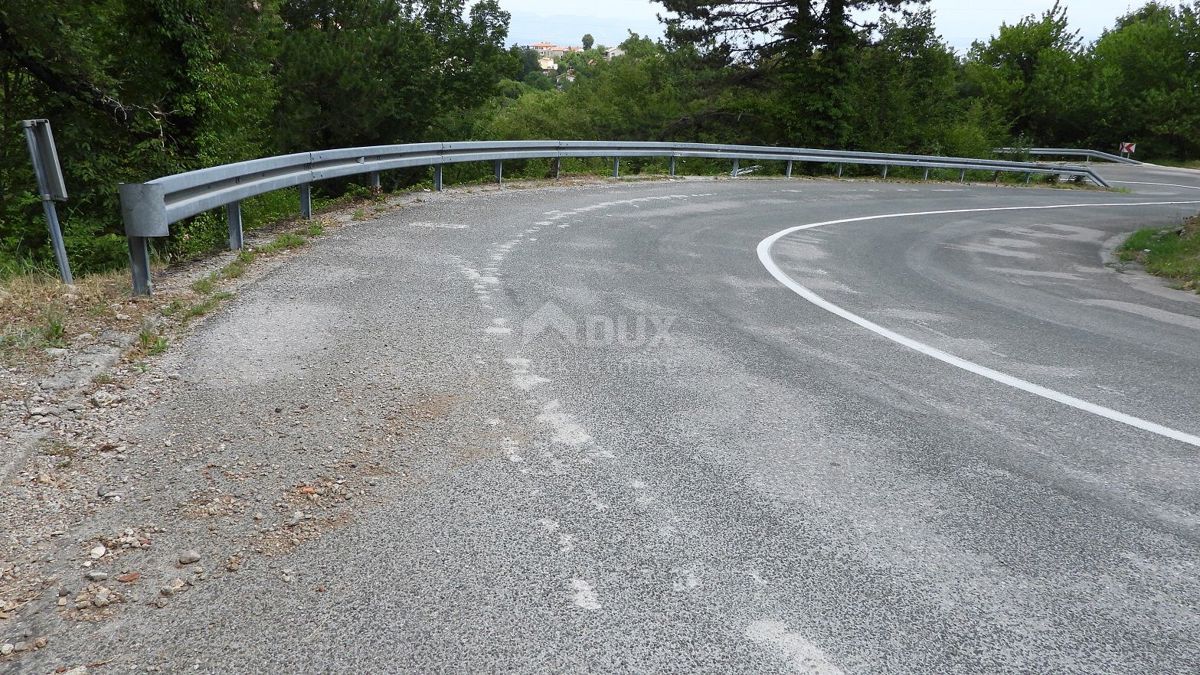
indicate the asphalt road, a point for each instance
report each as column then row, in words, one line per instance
column 956, row 441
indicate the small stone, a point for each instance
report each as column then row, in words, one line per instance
column 7, row 648
column 188, row 557
column 103, row 399
column 129, row 577
column 172, row 588
column 40, row 643
column 98, row 552
column 21, row 647
column 97, row 575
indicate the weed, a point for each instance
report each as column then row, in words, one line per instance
column 173, row 308
column 102, row 378
column 53, row 329
column 205, row 285
column 206, row 305
column 285, row 241
column 151, row 342
column 360, row 214
column 1173, row 253
column 315, row 230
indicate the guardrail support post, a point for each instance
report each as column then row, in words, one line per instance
column 498, row 170
column 1028, row 177
column 557, row 167
column 616, row 167
column 926, row 174
column 306, row 201
column 234, row 214
column 788, row 173
column 139, row 264
column 375, row 181
column 885, row 170
column 962, row 176
column 671, row 171
column 839, row 170
column 734, row 173
column 437, row 178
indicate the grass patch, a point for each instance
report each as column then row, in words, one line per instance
column 151, row 343
column 205, row 306
column 204, row 285
column 1172, row 253
column 285, row 241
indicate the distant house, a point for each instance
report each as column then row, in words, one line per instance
column 612, row 53
column 547, row 64
column 548, row 50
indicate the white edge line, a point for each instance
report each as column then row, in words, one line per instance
column 764, row 255
column 1138, row 182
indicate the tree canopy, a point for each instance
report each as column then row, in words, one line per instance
column 141, row 88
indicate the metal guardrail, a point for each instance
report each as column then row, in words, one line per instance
column 1067, row 152
column 148, row 209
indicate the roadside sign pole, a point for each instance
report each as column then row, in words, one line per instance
column 50, row 187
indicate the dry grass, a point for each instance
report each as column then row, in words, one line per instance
column 38, row 312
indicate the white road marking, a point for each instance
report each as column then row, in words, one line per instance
column 1137, row 182
column 803, row 656
column 1184, row 320
column 764, row 255
column 584, row 596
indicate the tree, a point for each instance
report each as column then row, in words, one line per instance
column 797, row 49
column 902, row 90
column 1035, row 72
column 1146, row 75
column 588, row 41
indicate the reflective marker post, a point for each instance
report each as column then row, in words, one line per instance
column 51, row 186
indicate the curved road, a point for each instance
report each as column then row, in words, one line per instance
column 752, row 425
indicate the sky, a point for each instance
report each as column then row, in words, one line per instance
column 959, row 21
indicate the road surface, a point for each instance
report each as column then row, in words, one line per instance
column 738, row 425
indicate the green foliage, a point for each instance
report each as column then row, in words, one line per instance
column 1172, row 253
column 142, row 88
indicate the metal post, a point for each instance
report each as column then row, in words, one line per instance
column 671, row 171
column 789, row 169
column 306, row 201
column 926, row 175
column 139, row 264
column 498, row 170
column 616, row 167
column 885, row 170
column 1028, row 177
column 375, row 181
column 51, row 186
column 437, row 178
column 839, row 170
column 56, row 238
column 234, row 214
column 735, row 169
column 557, row 167
column 962, row 176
